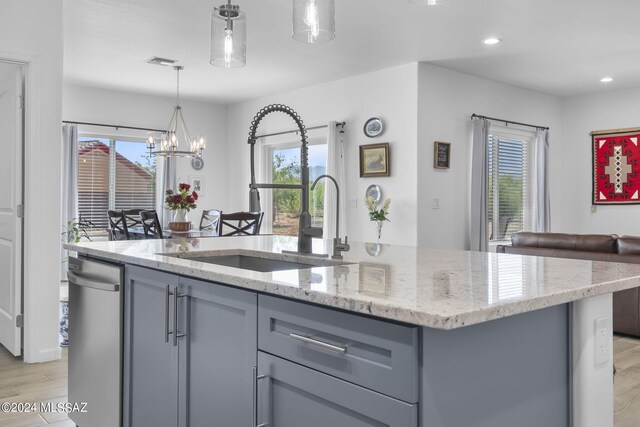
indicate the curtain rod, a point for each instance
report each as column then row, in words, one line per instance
column 509, row 121
column 297, row 130
column 111, row 126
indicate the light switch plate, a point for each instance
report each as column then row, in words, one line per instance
column 435, row 204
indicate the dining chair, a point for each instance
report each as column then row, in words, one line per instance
column 132, row 218
column 151, row 224
column 117, row 226
column 210, row 219
column 240, row 223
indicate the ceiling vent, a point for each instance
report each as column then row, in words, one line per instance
column 156, row 60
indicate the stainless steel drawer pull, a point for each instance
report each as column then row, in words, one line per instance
column 176, row 316
column 167, row 332
column 322, row 344
column 256, row 378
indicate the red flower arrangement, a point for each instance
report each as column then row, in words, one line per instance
column 182, row 198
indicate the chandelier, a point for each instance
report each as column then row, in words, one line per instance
column 228, row 36
column 176, row 142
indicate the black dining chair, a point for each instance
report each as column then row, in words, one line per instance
column 117, row 226
column 151, row 225
column 132, row 218
column 240, row 223
column 209, row 220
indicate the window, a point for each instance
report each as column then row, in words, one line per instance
column 113, row 174
column 282, row 207
column 510, row 183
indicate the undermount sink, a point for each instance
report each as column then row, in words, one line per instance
column 264, row 262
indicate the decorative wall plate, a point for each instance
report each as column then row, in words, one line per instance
column 197, row 163
column 373, row 127
column 374, row 191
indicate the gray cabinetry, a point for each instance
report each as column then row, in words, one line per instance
column 219, row 355
column 203, row 375
column 150, row 389
column 290, row 395
column 379, row 355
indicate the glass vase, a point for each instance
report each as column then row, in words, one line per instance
column 379, row 228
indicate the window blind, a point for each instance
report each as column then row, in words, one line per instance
column 509, row 186
column 125, row 180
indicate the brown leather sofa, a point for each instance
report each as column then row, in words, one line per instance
column 595, row 247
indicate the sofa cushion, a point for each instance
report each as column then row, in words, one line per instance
column 563, row 253
column 605, row 243
column 629, row 245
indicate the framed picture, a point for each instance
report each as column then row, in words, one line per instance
column 616, row 166
column 441, row 154
column 197, row 184
column 374, row 160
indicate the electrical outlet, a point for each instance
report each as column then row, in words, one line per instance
column 602, row 340
column 435, row 204
column 353, row 203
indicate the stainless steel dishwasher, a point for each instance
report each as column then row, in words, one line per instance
column 95, row 342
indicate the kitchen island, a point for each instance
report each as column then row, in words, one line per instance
column 391, row 335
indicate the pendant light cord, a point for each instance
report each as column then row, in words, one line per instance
column 178, row 86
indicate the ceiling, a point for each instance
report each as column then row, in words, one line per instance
column 560, row 47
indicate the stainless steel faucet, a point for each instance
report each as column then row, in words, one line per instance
column 338, row 246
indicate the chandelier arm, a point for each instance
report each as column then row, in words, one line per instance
column 185, row 131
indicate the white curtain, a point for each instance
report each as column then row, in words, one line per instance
column 69, row 173
column 335, row 168
column 69, row 182
column 165, row 180
column 542, row 212
column 478, row 240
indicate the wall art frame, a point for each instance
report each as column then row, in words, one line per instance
column 441, row 155
column 615, row 166
column 375, row 160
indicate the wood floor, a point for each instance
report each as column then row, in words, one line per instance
column 33, row 383
column 47, row 382
column 626, row 354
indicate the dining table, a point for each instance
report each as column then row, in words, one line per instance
column 138, row 233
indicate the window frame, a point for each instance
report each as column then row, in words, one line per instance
column 112, row 138
column 265, row 168
column 497, row 131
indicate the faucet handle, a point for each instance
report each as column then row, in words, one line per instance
column 313, row 231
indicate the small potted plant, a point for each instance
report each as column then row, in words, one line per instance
column 180, row 202
column 378, row 215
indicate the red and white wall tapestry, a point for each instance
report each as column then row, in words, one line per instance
column 616, row 166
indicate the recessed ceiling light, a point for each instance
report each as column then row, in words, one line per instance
column 606, row 80
column 491, row 41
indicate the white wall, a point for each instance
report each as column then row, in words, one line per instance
column 94, row 105
column 581, row 115
column 31, row 31
column 446, row 100
column 390, row 94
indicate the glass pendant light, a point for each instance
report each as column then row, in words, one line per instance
column 427, row 2
column 314, row 20
column 228, row 36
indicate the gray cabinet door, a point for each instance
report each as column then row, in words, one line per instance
column 291, row 395
column 150, row 364
column 217, row 355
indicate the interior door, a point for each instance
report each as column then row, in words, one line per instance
column 10, row 200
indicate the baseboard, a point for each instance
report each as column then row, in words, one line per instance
column 46, row 355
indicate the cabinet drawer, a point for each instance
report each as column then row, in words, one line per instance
column 290, row 395
column 379, row 355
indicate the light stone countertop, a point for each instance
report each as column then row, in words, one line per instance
column 443, row 289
